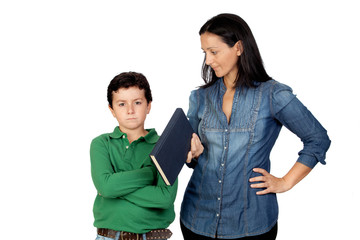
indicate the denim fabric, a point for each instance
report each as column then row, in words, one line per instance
column 218, row 199
column 117, row 237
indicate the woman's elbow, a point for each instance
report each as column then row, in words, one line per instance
column 325, row 141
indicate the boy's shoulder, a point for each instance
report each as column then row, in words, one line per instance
column 152, row 136
column 106, row 136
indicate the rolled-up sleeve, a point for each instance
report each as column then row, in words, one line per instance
column 290, row 112
column 192, row 113
column 193, row 116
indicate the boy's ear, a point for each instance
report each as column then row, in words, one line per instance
column 111, row 110
column 148, row 107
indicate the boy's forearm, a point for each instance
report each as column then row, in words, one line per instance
column 160, row 196
column 122, row 183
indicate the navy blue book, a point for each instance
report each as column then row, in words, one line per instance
column 171, row 150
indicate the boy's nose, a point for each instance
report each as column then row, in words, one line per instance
column 130, row 109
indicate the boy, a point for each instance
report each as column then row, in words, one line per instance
column 133, row 201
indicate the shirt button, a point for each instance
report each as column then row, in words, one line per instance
column 226, row 130
column 219, row 181
column 222, row 164
column 217, row 214
column 123, row 136
column 219, row 199
column 127, row 147
column 225, row 147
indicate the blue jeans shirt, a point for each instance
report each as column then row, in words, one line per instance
column 218, row 199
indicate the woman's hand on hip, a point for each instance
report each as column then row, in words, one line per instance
column 270, row 183
column 273, row 184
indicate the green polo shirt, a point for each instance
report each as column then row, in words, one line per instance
column 131, row 195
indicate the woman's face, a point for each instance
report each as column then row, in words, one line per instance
column 219, row 56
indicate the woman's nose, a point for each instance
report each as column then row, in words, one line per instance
column 208, row 59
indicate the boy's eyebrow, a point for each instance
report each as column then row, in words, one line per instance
column 121, row 100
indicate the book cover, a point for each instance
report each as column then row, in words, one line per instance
column 171, row 150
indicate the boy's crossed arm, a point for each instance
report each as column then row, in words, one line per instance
column 112, row 184
column 154, row 196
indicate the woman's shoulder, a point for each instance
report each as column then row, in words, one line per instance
column 279, row 94
column 200, row 92
column 273, row 87
column 196, row 95
column 273, row 83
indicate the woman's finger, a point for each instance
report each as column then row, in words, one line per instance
column 258, row 179
column 189, row 157
column 259, row 185
column 261, row 170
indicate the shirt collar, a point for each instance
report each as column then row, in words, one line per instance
column 222, row 85
column 151, row 137
column 117, row 133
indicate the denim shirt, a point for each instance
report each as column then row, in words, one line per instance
column 218, row 200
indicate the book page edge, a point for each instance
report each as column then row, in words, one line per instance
column 160, row 170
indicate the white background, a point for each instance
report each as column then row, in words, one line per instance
column 57, row 58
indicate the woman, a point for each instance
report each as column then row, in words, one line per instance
column 238, row 114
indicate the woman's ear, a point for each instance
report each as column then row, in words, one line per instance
column 239, row 48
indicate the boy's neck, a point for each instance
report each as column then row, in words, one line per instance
column 133, row 135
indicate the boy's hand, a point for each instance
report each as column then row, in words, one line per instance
column 196, row 148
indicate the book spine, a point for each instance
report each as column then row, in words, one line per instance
column 165, row 134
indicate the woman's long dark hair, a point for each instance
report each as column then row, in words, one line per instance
column 232, row 28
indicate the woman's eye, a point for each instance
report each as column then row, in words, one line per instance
column 212, row 52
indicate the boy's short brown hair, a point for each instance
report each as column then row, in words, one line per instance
column 126, row 80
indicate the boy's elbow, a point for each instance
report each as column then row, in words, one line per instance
column 105, row 192
column 168, row 203
column 105, row 189
column 168, row 206
column 169, row 196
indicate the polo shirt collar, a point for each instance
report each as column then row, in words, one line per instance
column 117, row 133
column 151, row 137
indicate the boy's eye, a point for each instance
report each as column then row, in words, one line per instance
column 137, row 102
column 121, row 104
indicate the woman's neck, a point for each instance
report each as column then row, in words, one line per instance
column 229, row 83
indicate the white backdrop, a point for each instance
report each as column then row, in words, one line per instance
column 57, row 58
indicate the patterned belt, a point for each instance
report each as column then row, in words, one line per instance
column 154, row 234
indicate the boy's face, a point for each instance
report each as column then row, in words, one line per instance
column 130, row 108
